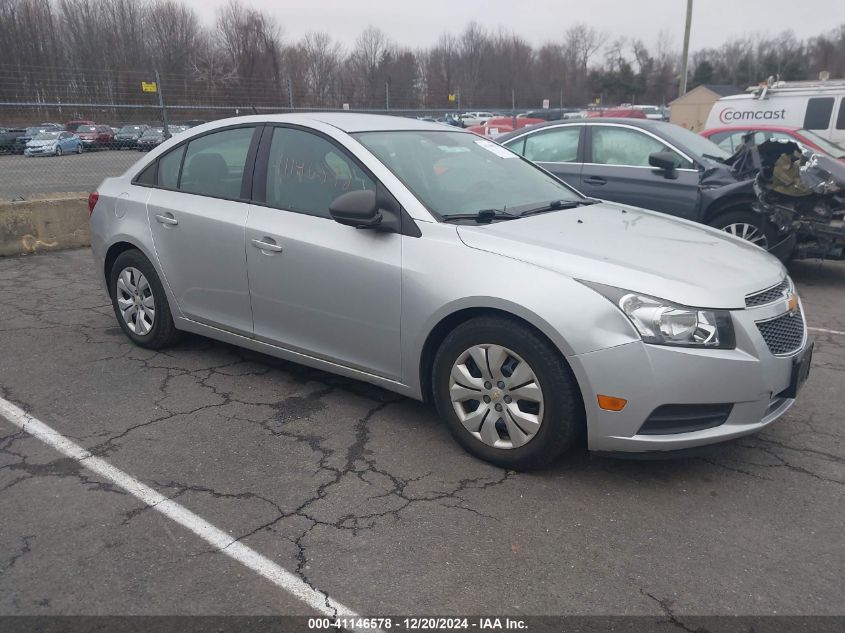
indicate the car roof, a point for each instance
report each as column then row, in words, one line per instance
column 646, row 124
column 349, row 122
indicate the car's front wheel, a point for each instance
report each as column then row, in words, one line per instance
column 58, row 151
column 139, row 301
column 749, row 226
column 506, row 394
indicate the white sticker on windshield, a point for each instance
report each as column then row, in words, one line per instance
column 498, row 150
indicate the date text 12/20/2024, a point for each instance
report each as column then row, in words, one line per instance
column 417, row 624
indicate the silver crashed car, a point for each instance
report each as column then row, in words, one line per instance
column 442, row 266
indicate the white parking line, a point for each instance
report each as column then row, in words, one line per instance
column 217, row 538
column 825, row 330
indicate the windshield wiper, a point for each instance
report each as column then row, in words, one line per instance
column 483, row 216
column 556, row 205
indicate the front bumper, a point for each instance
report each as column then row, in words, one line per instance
column 750, row 378
column 40, row 151
column 125, row 142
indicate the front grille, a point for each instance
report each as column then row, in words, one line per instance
column 770, row 295
column 783, row 334
column 684, row 418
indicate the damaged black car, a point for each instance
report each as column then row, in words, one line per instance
column 666, row 168
column 800, row 193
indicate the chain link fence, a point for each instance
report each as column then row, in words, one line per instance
column 63, row 132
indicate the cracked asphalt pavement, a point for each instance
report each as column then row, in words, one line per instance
column 364, row 495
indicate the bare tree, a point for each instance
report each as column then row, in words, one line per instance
column 371, row 49
column 440, row 70
column 581, row 43
column 473, row 47
column 321, row 59
column 252, row 42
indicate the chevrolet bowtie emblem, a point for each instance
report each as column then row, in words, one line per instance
column 792, row 303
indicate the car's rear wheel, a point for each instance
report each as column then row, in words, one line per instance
column 749, row 226
column 506, row 394
column 140, row 303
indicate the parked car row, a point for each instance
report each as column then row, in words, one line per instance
column 87, row 135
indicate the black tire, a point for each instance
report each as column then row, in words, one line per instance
column 163, row 332
column 740, row 217
column 58, row 151
column 563, row 417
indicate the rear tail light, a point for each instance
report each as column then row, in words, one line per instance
column 93, row 198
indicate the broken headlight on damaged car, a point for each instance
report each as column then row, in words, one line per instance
column 661, row 322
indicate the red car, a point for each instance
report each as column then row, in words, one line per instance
column 73, row 126
column 502, row 125
column 730, row 138
column 95, row 136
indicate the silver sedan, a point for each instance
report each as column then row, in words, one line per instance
column 442, row 266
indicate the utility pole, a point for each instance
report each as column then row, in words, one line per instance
column 387, row 95
column 290, row 94
column 161, row 105
column 685, row 54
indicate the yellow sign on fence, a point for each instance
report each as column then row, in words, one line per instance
column 451, row 97
column 149, row 86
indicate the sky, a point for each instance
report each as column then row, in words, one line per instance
column 418, row 23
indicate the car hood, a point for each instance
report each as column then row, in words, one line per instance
column 42, row 143
column 643, row 251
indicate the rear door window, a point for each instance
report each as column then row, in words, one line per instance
column 559, row 145
column 214, row 163
column 818, row 113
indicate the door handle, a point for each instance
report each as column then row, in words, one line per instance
column 167, row 219
column 267, row 244
column 595, row 180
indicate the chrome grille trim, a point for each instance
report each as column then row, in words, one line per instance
column 769, row 295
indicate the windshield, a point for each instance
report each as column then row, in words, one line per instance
column 129, row 129
column 34, row 131
column 833, row 149
column 86, row 128
column 47, row 136
column 152, row 132
column 457, row 172
column 693, row 142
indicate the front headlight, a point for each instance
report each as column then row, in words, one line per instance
column 661, row 322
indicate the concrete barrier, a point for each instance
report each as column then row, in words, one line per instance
column 46, row 223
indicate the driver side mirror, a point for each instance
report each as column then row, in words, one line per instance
column 357, row 208
column 664, row 161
